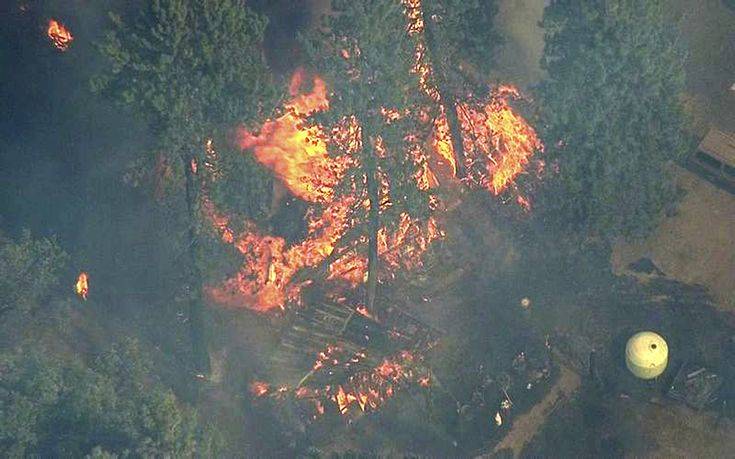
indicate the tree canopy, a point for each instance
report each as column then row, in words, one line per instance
column 194, row 70
column 29, row 269
column 463, row 33
column 55, row 408
column 610, row 112
column 188, row 66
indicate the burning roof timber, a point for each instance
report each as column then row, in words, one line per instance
column 311, row 330
column 334, row 355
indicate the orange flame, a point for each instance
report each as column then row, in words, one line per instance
column 494, row 137
column 259, row 388
column 298, row 156
column 59, row 35
column 363, row 310
column 81, row 287
column 498, row 143
column 372, row 388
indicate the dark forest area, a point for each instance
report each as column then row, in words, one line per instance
column 375, row 228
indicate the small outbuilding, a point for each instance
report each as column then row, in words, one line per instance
column 716, row 154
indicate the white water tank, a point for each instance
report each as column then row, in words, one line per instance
column 646, row 354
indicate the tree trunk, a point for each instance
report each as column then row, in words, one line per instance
column 194, row 281
column 373, row 225
column 446, row 98
column 455, row 130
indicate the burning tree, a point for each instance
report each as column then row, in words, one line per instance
column 374, row 119
column 612, row 114
column 59, row 35
column 458, row 41
column 193, row 69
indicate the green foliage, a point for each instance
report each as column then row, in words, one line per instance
column 463, row 32
column 195, row 70
column 377, row 74
column 112, row 408
column 611, row 114
column 29, row 270
column 188, row 65
column 235, row 174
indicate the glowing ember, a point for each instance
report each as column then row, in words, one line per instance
column 523, row 202
column 362, row 310
column 370, row 389
column 82, row 285
column 59, row 35
column 259, row 388
column 366, row 389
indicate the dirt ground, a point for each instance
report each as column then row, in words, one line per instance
column 527, row 425
column 697, row 245
column 687, row 434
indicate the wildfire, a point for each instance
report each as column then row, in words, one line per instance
column 81, row 287
column 498, row 143
column 370, row 389
column 259, row 388
column 59, row 35
column 298, row 156
column 366, row 389
column 363, row 310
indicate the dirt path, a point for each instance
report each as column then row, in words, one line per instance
column 527, row 425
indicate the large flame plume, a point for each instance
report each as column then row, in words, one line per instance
column 498, row 144
column 298, row 157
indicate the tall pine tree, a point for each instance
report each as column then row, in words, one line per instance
column 611, row 114
column 193, row 69
column 366, row 56
column 461, row 41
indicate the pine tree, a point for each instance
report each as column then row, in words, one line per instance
column 366, row 57
column 193, row 69
column 611, row 113
column 460, row 44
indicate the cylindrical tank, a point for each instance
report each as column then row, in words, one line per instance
column 646, row 354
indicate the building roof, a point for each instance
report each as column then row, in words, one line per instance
column 720, row 145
